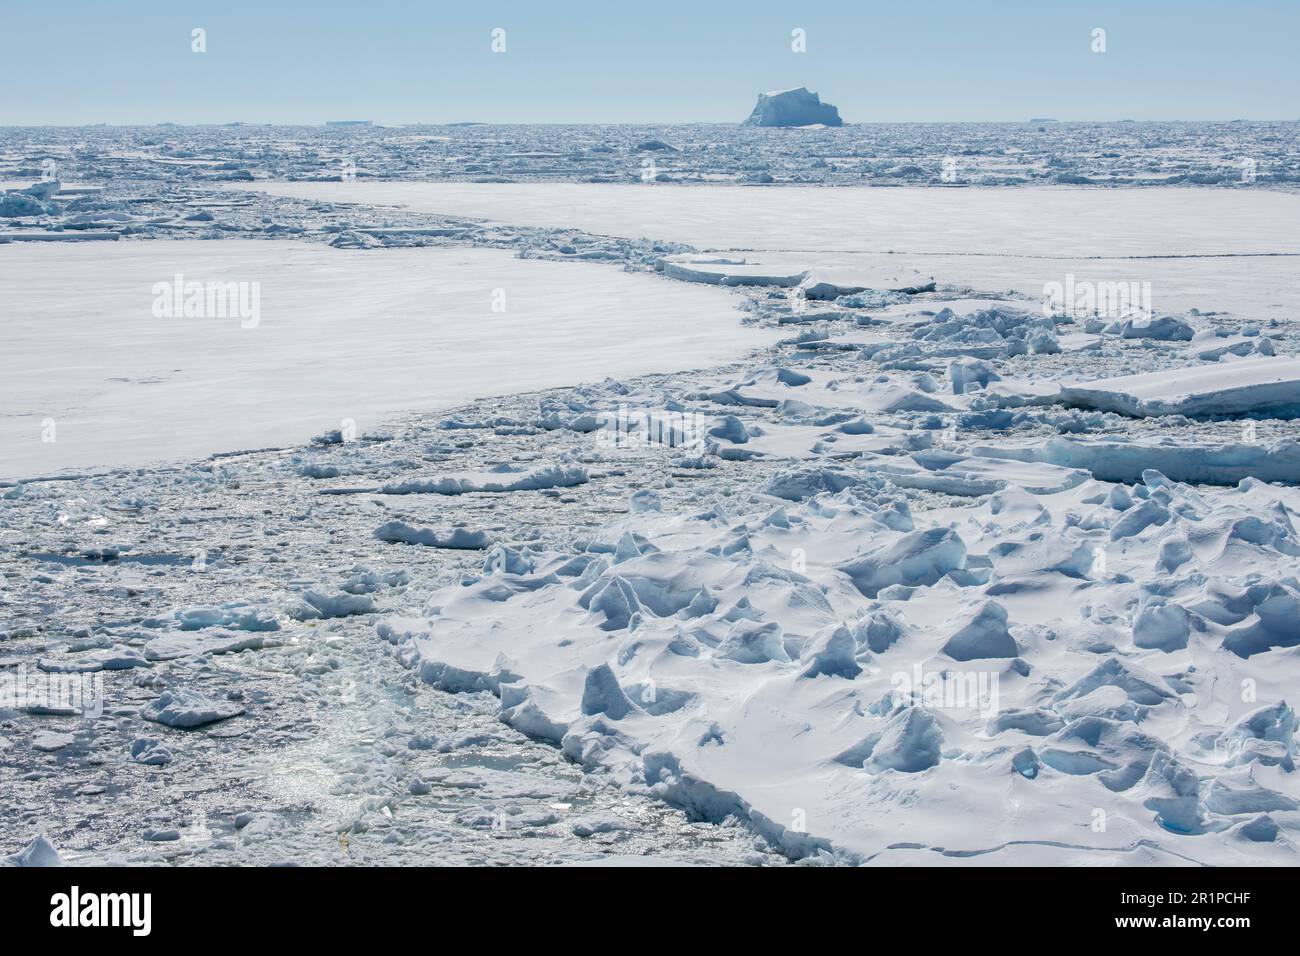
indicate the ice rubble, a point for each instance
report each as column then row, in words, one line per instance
column 796, row 107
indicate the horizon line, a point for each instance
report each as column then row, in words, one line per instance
column 371, row 124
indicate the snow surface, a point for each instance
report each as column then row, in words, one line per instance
column 343, row 335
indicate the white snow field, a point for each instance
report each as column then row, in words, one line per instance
column 339, row 335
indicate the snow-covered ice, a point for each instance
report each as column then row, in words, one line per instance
column 339, row 336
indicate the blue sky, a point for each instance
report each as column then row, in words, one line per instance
column 632, row 62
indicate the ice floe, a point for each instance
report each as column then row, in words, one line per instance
column 1217, row 389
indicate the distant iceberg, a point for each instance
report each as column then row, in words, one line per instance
column 793, row 108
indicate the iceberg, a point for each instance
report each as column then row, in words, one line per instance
column 797, row 107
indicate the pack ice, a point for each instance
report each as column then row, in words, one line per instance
column 935, row 575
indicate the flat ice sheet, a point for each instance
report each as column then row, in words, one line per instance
column 1224, row 388
column 1218, row 250
column 343, row 334
column 1032, row 221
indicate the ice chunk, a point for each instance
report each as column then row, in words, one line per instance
column 14, row 205
column 911, row 742
column 599, row 823
column 50, row 741
column 40, row 852
column 985, row 635
column 1162, row 626
column 183, row 707
column 190, row 643
column 236, row 615
column 1165, row 328
column 750, row 642
column 795, row 484
column 399, row 532
column 601, row 694
column 960, row 474
column 922, row 557
column 1174, row 789
column 615, row 599
column 1138, row 518
column 965, row 371
column 833, row 654
column 150, row 751
column 317, row 604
